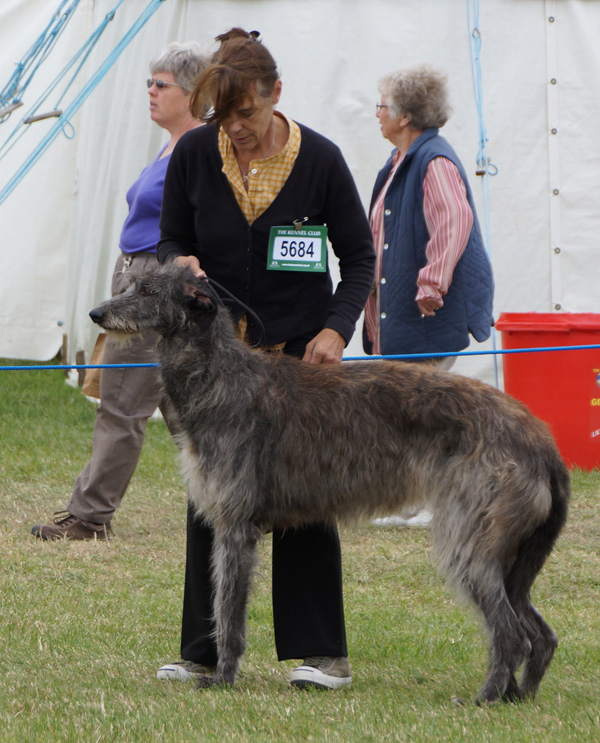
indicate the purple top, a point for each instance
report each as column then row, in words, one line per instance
column 140, row 230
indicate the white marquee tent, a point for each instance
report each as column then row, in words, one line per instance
column 540, row 63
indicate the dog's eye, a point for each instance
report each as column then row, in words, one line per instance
column 146, row 290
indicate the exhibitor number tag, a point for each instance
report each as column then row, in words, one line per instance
column 298, row 249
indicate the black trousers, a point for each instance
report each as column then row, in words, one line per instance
column 308, row 611
column 308, row 608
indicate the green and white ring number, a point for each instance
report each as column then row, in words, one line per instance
column 298, row 249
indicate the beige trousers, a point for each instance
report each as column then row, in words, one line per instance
column 128, row 398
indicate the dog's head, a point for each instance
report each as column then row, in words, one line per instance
column 167, row 300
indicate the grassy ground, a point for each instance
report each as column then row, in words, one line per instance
column 84, row 626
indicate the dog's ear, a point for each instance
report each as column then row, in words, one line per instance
column 199, row 300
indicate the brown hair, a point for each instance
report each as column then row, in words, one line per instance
column 240, row 62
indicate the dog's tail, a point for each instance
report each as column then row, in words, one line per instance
column 534, row 550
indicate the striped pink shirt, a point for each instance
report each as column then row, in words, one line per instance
column 449, row 219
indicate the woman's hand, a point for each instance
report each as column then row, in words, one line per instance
column 325, row 348
column 192, row 262
column 429, row 306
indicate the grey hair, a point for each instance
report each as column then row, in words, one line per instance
column 420, row 93
column 185, row 61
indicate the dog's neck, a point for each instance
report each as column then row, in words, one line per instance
column 200, row 359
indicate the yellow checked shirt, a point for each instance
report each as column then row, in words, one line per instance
column 266, row 177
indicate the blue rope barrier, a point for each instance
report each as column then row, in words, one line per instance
column 494, row 351
column 504, row 351
column 66, row 367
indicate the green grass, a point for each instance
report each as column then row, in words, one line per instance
column 84, row 626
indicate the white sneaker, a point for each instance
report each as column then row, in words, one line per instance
column 322, row 673
column 181, row 670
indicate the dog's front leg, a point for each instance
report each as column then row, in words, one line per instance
column 234, row 550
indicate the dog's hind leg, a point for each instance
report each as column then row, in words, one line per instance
column 543, row 644
column 509, row 644
column 530, row 559
column 513, row 692
column 233, row 562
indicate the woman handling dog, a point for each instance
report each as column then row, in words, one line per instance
column 246, row 200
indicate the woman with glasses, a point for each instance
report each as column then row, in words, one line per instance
column 128, row 397
column 433, row 280
column 250, row 201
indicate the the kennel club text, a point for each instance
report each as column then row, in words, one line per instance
column 298, row 249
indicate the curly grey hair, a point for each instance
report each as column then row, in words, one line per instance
column 420, row 93
column 185, row 61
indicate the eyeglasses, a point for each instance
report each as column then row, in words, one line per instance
column 160, row 84
column 379, row 106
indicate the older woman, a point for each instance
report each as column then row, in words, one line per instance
column 237, row 194
column 433, row 284
column 130, row 396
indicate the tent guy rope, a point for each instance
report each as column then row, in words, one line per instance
column 63, row 122
column 11, row 96
column 484, row 167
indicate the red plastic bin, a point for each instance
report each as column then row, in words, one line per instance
column 560, row 387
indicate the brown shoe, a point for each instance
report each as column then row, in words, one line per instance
column 67, row 526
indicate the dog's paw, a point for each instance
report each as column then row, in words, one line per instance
column 211, row 682
column 206, row 682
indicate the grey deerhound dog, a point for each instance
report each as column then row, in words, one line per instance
column 270, row 441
